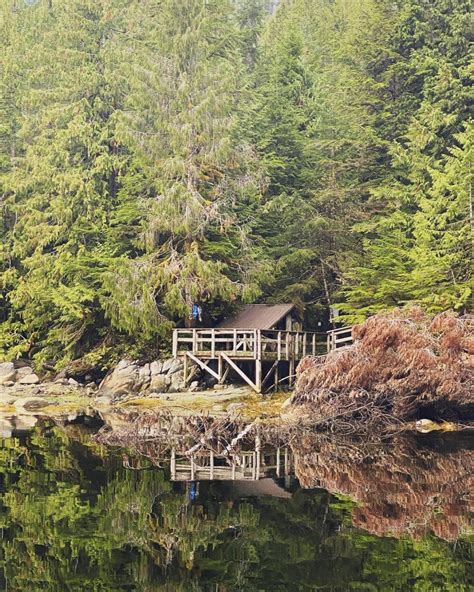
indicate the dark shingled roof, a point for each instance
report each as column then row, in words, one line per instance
column 257, row 316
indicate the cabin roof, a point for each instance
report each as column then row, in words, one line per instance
column 257, row 316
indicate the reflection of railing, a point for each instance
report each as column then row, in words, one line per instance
column 249, row 465
column 250, row 344
column 337, row 338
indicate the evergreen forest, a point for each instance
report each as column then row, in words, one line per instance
column 158, row 154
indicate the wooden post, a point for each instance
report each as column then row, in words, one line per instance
column 286, row 461
column 192, row 467
column 279, row 345
column 258, row 375
column 211, row 460
column 175, row 343
column 278, row 471
column 313, row 345
column 292, row 371
column 173, row 464
column 220, row 367
column 195, row 346
column 277, row 376
column 185, row 369
column 234, row 346
column 213, row 343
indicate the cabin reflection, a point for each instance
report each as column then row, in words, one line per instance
column 254, row 464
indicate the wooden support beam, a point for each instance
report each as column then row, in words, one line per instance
column 175, row 343
column 258, row 375
column 173, row 464
column 278, row 470
column 291, row 378
column 268, row 374
column 202, row 365
column 185, row 370
column 224, row 375
column 240, row 372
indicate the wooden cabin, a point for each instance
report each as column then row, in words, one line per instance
column 261, row 343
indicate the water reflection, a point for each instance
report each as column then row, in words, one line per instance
column 77, row 516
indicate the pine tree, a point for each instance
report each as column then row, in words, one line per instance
column 186, row 77
column 433, row 59
column 64, row 211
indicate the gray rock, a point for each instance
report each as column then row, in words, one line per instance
column 9, row 383
column 159, row 383
column 176, row 366
column 177, row 383
column 144, row 376
column 24, row 371
column 7, row 372
column 31, row 403
column 156, row 367
column 167, row 365
column 194, row 386
column 72, row 382
column 123, row 380
column 91, row 385
column 63, row 381
column 29, row 379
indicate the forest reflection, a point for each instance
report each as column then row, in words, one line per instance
column 79, row 516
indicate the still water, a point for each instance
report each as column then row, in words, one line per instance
column 76, row 516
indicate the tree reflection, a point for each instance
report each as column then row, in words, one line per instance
column 74, row 518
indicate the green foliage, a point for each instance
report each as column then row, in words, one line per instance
column 418, row 246
column 153, row 156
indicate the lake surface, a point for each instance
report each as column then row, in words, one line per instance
column 76, row 516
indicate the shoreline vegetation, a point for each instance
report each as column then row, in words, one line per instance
column 406, row 370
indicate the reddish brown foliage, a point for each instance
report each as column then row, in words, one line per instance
column 413, row 364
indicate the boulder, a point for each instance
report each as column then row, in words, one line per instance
column 172, row 365
column 24, row 371
column 7, row 372
column 29, row 379
column 144, row 376
column 31, row 403
column 72, row 382
column 159, row 383
column 122, row 381
column 194, row 386
column 156, row 367
column 177, row 382
column 9, row 383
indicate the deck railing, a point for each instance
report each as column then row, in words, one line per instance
column 249, row 343
column 337, row 338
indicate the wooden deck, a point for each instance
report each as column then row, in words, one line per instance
column 219, row 351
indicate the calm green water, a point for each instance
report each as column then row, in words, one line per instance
column 74, row 518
